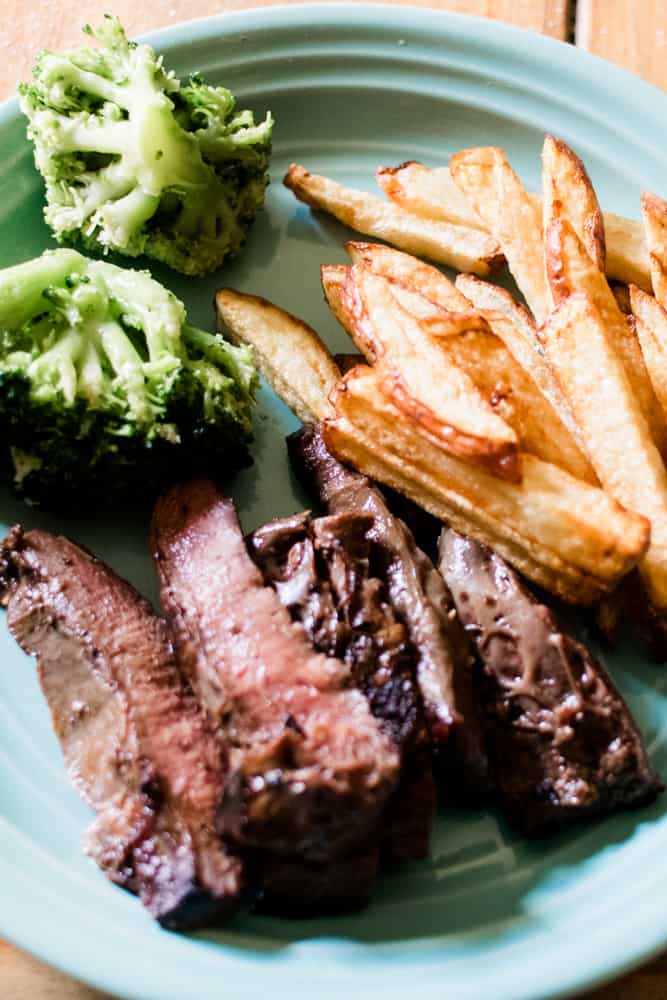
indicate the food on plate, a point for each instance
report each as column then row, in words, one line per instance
column 284, row 348
column 105, row 387
column 562, row 743
column 570, row 269
column 408, row 272
column 492, row 298
column 329, row 572
column 651, row 326
column 654, row 214
column 617, row 436
column 137, row 162
column 497, row 195
column 565, row 535
column 568, row 190
column 136, row 744
column 443, row 668
column 440, row 399
column 311, row 770
column 456, row 246
column 433, row 194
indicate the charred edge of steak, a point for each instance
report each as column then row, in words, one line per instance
column 417, row 591
column 325, row 572
column 311, row 770
column 562, row 741
column 134, row 740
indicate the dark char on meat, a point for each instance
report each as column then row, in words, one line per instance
column 561, row 740
column 326, row 573
column 136, row 744
column 445, row 663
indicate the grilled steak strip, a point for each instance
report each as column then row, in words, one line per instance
column 311, row 769
column 416, row 590
column 561, row 739
column 324, row 572
column 136, row 745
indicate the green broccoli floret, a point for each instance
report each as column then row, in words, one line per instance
column 138, row 163
column 106, row 392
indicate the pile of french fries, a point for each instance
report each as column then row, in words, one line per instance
column 540, row 430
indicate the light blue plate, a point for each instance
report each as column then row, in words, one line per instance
column 490, row 915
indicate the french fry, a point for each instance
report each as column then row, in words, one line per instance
column 616, row 432
column 440, row 399
column 333, row 278
column 563, row 534
column 432, row 194
column 404, row 269
column 516, row 328
column 570, row 269
column 485, row 177
column 621, row 293
column 288, row 353
column 485, row 296
column 568, row 191
column 459, row 247
column 654, row 214
column 651, row 326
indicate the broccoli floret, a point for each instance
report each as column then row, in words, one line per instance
column 106, row 392
column 137, row 163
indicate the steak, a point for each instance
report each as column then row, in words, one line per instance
column 445, row 663
column 136, row 744
column 310, row 768
column 325, row 572
column 561, row 739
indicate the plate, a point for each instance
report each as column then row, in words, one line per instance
column 351, row 86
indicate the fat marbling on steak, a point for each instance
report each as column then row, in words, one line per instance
column 136, row 744
column 561, row 739
column 445, row 663
column 311, row 769
column 327, row 572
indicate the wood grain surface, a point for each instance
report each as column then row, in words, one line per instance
column 631, row 33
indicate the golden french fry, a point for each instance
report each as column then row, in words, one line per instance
column 654, row 214
column 440, row 399
column 515, row 326
column 288, row 353
column 565, row 535
column 485, row 177
column 432, row 194
column 333, row 278
column 570, row 269
column 459, row 247
column 616, row 432
column 651, row 326
column 485, row 296
column 568, row 191
column 404, row 269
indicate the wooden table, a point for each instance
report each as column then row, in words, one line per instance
column 632, row 33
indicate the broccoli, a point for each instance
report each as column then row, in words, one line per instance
column 138, row 163
column 106, row 392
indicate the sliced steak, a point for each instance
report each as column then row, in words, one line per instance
column 325, row 572
column 311, row 769
column 445, row 663
column 561, row 739
column 135, row 742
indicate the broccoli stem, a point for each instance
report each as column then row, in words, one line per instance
column 22, row 287
column 69, row 75
column 127, row 215
column 56, row 368
column 127, row 366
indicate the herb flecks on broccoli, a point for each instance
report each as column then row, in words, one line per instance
column 136, row 162
column 106, row 392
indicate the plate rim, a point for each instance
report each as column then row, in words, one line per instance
column 645, row 938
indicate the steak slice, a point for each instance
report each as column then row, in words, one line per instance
column 311, row 770
column 136, row 745
column 325, row 573
column 561, row 739
column 445, row 662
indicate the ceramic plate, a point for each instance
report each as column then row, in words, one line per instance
column 351, row 87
